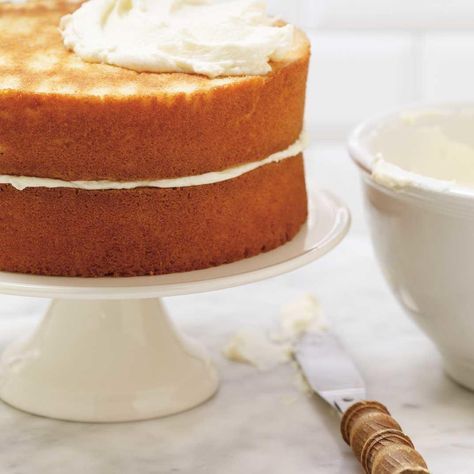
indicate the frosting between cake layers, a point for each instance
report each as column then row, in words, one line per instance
column 23, row 182
column 208, row 37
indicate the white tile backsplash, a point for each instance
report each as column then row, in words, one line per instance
column 448, row 67
column 355, row 76
column 378, row 14
column 374, row 55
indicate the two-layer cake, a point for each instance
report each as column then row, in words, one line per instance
column 107, row 170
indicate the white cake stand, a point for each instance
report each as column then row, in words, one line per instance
column 106, row 350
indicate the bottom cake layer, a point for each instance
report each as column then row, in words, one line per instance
column 150, row 231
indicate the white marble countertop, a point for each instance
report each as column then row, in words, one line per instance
column 261, row 422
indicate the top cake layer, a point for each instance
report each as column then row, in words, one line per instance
column 82, row 121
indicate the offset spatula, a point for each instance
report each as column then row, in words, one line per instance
column 375, row 437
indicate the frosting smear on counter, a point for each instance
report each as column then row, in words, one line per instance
column 253, row 346
column 208, row 37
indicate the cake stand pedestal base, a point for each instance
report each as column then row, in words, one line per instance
column 106, row 360
column 106, row 349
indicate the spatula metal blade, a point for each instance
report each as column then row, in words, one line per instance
column 329, row 370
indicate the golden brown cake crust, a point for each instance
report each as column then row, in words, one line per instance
column 150, row 231
column 63, row 118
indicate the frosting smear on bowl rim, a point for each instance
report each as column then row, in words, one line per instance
column 207, row 37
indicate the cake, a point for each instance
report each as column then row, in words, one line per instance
column 106, row 171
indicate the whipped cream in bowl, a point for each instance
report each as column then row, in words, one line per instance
column 425, row 150
column 207, row 37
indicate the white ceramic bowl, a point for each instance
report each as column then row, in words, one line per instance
column 423, row 233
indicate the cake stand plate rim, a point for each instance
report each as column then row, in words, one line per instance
column 328, row 223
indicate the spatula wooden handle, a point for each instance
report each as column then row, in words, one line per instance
column 379, row 442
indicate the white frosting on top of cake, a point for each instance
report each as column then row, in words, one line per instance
column 23, row 182
column 208, row 37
